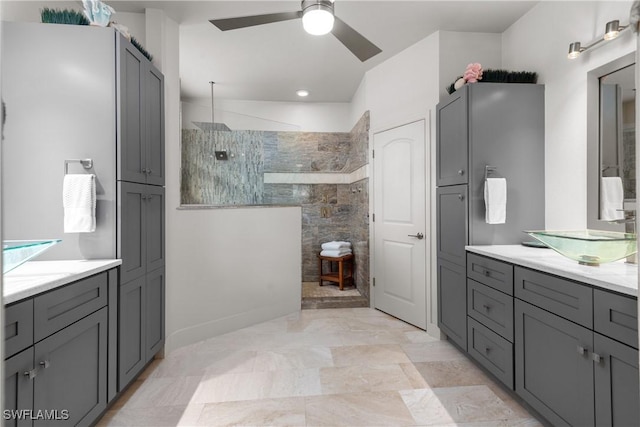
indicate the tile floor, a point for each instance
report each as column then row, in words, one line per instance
column 331, row 367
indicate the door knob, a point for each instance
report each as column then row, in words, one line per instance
column 460, row 172
column 420, row 236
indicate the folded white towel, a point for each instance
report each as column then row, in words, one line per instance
column 79, row 202
column 495, row 200
column 336, row 245
column 611, row 198
column 336, row 253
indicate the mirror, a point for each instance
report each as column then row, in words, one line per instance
column 617, row 143
column 611, row 128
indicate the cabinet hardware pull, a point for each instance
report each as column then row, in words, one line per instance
column 144, row 170
column 460, row 172
column 460, row 197
column 149, row 171
column 486, row 307
column 487, row 273
column 487, row 350
column 581, row 350
column 419, row 236
column 31, row 374
column 45, row 364
column 597, row 358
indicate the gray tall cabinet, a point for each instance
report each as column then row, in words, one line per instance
column 141, row 214
column 484, row 124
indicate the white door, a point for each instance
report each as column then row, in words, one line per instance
column 400, row 226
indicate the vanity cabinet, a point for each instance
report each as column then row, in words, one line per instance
column 568, row 349
column 65, row 367
column 580, row 368
column 141, row 117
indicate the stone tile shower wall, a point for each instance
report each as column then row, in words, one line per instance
column 240, row 181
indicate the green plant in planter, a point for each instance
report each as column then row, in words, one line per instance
column 57, row 16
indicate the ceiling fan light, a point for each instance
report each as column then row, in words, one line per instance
column 318, row 21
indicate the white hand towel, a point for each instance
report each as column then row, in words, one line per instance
column 337, row 253
column 79, row 202
column 495, row 200
column 611, row 198
column 334, row 245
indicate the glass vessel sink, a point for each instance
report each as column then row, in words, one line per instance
column 589, row 247
column 17, row 252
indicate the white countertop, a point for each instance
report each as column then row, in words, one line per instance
column 35, row 277
column 617, row 276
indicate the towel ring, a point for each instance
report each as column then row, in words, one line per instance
column 488, row 170
column 86, row 163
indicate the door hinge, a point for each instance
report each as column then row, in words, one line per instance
column 374, row 217
column 374, row 281
column 373, row 153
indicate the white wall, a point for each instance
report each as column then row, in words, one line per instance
column 273, row 116
column 539, row 42
column 457, row 50
column 407, row 87
column 222, row 271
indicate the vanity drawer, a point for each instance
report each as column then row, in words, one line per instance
column 18, row 327
column 616, row 316
column 491, row 351
column 562, row 297
column 61, row 307
column 497, row 274
column 491, row 308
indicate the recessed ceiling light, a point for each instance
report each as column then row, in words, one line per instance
column 302, row 92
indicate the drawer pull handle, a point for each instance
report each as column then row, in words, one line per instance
column 487, row 350
column 597, row 358
column 460, row 172
column 460, row 197
column 31, row 374
column 486, row 307
column 487, row 273
column 581, row 350
column 45, row 364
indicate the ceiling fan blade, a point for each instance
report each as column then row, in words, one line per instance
column 250, row 21
column 354, row 41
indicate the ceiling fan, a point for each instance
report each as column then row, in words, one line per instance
column 317, row 18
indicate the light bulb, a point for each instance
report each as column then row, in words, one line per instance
column 317, row 22
column 612, row 30
column 302, row 92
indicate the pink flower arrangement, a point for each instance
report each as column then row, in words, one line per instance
column 473, row 73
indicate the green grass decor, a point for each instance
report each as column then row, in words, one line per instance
column 504, row 76
column 141, row 48
column 56, row 16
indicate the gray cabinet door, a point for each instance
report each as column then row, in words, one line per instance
column 18, row 388
column 554, row 370
column 131, row 114
column 154, row 219
column 154, row 103
column 452, row 140
column 616, row 383
column 452, row 302
column 452, row 226
column 132, row 329
column 72, row 372
column 155, row 304
column 132, row 230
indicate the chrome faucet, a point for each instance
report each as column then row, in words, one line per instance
column 629, row 222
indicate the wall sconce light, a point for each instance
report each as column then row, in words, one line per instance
column 612, row 30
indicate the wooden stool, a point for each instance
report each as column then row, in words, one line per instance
column 341, row 275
